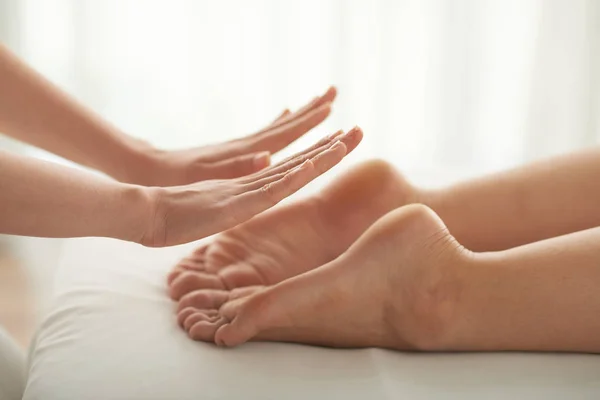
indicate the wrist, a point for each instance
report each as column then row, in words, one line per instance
column 134, row 163
column 136, row 212
column 141, row 165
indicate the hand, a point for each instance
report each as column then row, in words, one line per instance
column 185, row 213
column 235, row 158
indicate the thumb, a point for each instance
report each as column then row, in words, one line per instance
column 238, row 166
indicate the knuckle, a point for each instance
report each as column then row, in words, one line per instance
column 287, row 178
column 301, row 158
column 269, row 193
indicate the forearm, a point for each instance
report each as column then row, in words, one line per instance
column 527, row 204
column 35, row 111
column 38, row 198
column 539, row 297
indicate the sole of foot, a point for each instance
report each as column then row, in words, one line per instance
column 393, row 288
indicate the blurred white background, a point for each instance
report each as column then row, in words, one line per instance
column 481, row 84
column 475, row 85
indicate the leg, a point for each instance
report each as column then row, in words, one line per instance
column 287, row 241
column 530, row 203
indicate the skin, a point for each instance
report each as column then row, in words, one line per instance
column 291, row 239
column 160, row 198
column 64, row 127
column 54, row 201
column 422, row 277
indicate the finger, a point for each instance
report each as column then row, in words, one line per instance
column 246, row 205
column 350, row 140
column 268, row 178
column 254, row 142
column 276, row 139
column 281, row 116
column 281, row 132
column 316, row 102
column 327, row 97
column 238, row 166
column 296, row 159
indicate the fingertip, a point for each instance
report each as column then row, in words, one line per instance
column 326, row 108
column 331, row 157
column 282, row 116
column 334, row 135
column 354, row 130
column 325, row 105
column 352, row 138
column 338, row 145
column 331, row 93
column 261, row 160
column 317, row 115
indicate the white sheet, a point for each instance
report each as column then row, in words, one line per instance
column 111, row 334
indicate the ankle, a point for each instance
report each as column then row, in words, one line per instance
column 425, row 313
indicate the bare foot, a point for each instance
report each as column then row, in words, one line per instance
column 290, row 240
column 393, row 288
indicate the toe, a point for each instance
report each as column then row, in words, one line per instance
column 183, row 314
column 241, row 292
column 188, row 281
column 201, row 251
column 204, row 299
column 178, row 270
column 240, row 275
column 247, row 316
column 199, row 315
column 234, row 333
column 209, row 299
column 205, row 330
column 173, row 274
column 288, row 311
column 193, row 263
